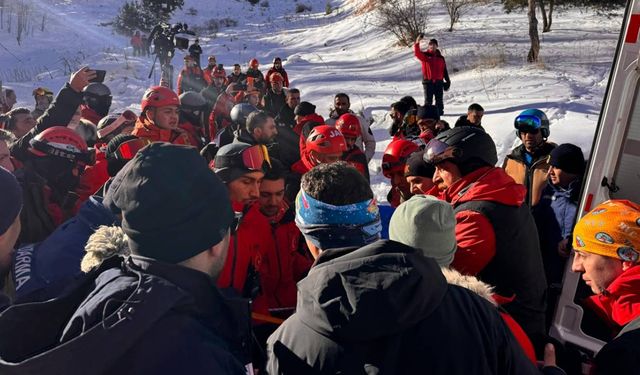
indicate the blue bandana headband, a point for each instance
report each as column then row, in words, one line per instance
column 328, row 226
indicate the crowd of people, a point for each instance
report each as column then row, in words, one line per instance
column 229, row 228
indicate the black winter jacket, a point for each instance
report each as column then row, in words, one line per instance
column 385, row 308
column 189, row 328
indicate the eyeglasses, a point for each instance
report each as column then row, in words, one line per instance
column 127, row 150
column 527, row 121
column 438, row 151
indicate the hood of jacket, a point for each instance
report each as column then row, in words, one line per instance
column 471, row 283
column 105, row 243
column 486, row 184
column 360, row 294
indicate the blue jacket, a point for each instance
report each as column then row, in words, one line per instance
column 42, row 270
column 555, row 217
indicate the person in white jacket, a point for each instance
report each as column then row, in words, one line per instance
column 366, row 142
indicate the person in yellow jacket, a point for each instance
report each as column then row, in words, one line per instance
column 528, row 164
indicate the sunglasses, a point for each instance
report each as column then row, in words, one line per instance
column 438, row 151
column 127, row 150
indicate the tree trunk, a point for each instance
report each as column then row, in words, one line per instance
column 533, row 33
column 545, row 21
column 551, row 4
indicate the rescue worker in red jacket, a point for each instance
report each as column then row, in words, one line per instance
column 435, row 77
column 394, row 160
column 607, row 253
column 349, row 126
column 284, row 259
column 324, row 145
column 211, row 65
column 96, row 175
column 191, row 77
column 220, row 116
column 96, row 102
column 158, row 121
column 496, row 235
column 277, row 68
column 241, row 167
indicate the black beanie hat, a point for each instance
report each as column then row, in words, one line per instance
column 228, row 163
column 114, row 165
column 173, row 206
column 416, row 166
column 569, row 158
column 428, row 112
column 304, row 109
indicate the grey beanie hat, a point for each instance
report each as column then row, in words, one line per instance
column 426, row 223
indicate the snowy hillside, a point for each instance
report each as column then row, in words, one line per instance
column 343, row 52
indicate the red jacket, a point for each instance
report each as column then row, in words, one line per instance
column 145, row 129
column 621, row 303
column 358, row 160
column 194, row 133
column 304, row 126
column 474, row 232
column 89, row 114
column 220, row 115
column 282, row 72
column 194, row 80
column 94, row 176
column 280, row 260
column 433, row 64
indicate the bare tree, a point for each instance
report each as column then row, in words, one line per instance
column 547, row 18
column 458, row 8
column 22, row 25
column 404, row 19
column 533, row 33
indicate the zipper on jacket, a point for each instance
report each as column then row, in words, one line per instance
column 275, row 239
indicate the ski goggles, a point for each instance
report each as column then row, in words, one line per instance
column 65, row 151
column 127, row 150
column 527, row 122
column 252, row 158
column 126, row 118
column 438, row 151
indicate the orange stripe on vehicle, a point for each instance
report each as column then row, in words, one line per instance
column 633, row 29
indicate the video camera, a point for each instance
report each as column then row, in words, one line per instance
column 165, row 40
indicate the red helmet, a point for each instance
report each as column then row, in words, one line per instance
column 276, row 77
column 396, row 155
column 218, row 73
column 325, row 139
column 62, row 142
column 159, row 96
column 253, row 63
column 349, row 125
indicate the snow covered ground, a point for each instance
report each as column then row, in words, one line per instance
column 343, row 52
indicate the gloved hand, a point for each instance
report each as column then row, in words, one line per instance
column 447, row 85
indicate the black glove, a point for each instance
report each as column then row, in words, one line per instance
column 446, row 85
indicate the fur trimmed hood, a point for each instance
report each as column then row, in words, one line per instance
column 472, row 283
column 105, row 243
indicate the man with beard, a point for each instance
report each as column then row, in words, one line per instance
column 260, row 129
column 528, row 163
column 366, row 142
